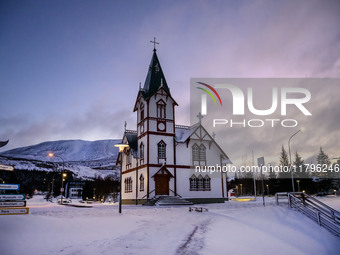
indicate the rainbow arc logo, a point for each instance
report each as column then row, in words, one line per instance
column 209, row 93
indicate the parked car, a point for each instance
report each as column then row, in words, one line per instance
column 65, row 200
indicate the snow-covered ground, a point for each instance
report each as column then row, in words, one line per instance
column 229, row 228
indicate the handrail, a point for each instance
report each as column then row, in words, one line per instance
column 333, row 211
column 175, row 193
column 321, row 213
column 280, row 194
column 148, row 193
column 321, row 206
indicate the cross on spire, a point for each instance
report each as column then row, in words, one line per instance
column 200, row 117
column 154, row 43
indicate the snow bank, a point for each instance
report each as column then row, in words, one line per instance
column 230, row 228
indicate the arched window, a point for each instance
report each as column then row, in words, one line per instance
column 161, row 109
column 128, row 184
column 199, row 154
column 206, row 183
column 161, row 150
column 193, row 183
column 141, row 183
column 195, row 152
column 200, row 182
column 141, row 151
column 202, row 153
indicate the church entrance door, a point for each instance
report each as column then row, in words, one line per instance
column 162, row 184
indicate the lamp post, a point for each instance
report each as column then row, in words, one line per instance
column 51, row 155
column 121, row 149
column 336, row 166
column 267, row 185
column 241, row 189
column 290, row 157
column 298, row 183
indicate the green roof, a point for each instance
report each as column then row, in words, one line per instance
column 155, row 78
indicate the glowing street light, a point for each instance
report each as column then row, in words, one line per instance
column 298, row 182
column 121, row 149
column 63, row 175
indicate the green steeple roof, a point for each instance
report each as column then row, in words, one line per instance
column 155, row 78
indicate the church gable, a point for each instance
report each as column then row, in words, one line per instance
column 198, row 140
column 199, row 133
column 163, row 171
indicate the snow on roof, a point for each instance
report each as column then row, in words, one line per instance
column 182, row 133
column 131, row 136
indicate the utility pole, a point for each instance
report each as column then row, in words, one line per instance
column 252, row 164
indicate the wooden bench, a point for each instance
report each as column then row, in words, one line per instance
column 197, row 209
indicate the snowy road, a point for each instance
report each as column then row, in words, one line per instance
column 230, row 228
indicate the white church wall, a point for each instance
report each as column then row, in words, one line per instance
column 182, row 154
column 153, row 125
column 142, row 193
column 183, row 185
column 153, row 106
column 129, row 195
column 154, row 140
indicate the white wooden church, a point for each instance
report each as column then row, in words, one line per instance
column 161, row 155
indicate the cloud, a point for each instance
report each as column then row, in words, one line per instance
column 95, row 124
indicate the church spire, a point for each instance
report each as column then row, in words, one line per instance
column 155, row 77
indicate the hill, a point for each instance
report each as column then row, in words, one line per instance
column 84, row 158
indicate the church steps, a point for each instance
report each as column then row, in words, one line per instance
column 167, row 200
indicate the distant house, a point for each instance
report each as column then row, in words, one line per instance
column 161, row 154
column 74, row 189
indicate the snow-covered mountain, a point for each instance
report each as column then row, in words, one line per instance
column 69, row 150
column 84, row 158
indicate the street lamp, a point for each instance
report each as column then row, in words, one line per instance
column 290, row 156
column 241, row 189
column 298, row 183
column 267, row 185
column 121, row 149
column 63, row 175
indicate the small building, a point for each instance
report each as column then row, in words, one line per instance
column 74, row 189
